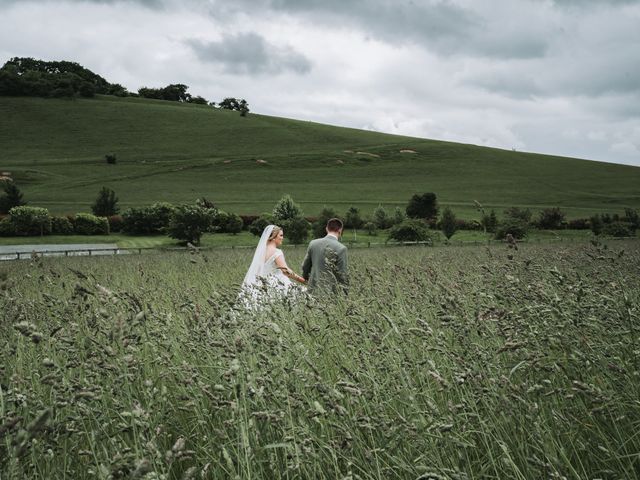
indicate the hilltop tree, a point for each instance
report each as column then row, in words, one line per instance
column 12, row 197
column 106, row 204
column 423, row 206
column 231, row 103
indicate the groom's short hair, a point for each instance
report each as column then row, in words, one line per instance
column 334, row 225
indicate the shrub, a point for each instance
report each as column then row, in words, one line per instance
column 259, row 224
column 514, row 226
column 381, row 218
column 448, row 223
column 410, row 231
column 462, row 224
column 286, row 209
column 353, row 219
column 578, row 224
column 517, row 213
column 7, row 229
column 618, row 229
column 61, row 226
column 106, row 203
column 489, row 221
column 551, row 218
column 115, row 223
column 88, row 224
column 632, row 217
column 398, row 216
column 296, row 230
column 110, row 158
column 188, row 223
column 596, row 224
column 234, row 224
column 423, row 206
column 247, row 220
column 370, row 228
column 150, row 220
column 30, row 220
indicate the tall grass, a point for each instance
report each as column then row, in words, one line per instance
column 453, row 363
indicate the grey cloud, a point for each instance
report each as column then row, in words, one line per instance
column 249, row 53
column 154, row 4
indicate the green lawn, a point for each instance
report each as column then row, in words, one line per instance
column 174, row 152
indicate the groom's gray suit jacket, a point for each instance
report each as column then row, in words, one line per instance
column 325, row 265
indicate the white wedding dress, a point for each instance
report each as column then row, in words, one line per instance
column 264, row 281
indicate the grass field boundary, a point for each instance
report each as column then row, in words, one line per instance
column 23, row 255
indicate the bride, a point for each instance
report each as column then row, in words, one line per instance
column 268, row 277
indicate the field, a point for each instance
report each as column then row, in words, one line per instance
column 442, row 363
column 174, row 152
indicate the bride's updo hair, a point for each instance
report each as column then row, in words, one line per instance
column 274, row 233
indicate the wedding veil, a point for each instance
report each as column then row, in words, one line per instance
column 258, row 258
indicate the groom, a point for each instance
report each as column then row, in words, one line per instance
column 325, row 265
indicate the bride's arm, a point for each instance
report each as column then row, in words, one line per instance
column 282, row 265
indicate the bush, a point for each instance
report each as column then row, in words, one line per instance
column 234, row 224
column 259, row 224
column 151, row 220
column 286, row 209
column 448, row 223
column 296, row 230
column 381, row 218
column 489, row 222
column 88, row 224
column 30, row 220
column 7, row 229
column 516, row 227
column 106, row 203
column 579, row 224
column 188, row 223
column 110, row 158
column 618, row 229
column 517, row 213
column 423, row 206
column 115, row 223
column 61, row 226
column 462, row 224
column 410, row 231
column 247, row 220
column 398, row 216
column 370, row 228
column 353, row 219
column 551, row 218
column 632, row 217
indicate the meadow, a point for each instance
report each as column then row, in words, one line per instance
column 441, row 363
column 166, row 151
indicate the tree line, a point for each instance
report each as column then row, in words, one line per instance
column 187, row 222
column 28, row 77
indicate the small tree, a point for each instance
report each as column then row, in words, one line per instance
column 489, row 222
column 632, row 217
column 596, row 224
column 106, row 204
column 188, row 223
column 352, row 218
column 423, row 206
column 30, row 220
column 398, row 216
column 286, row 209
column 260, row 223
column 522, row 214
column 110, row 158
column 381, row 218
column 410, row 231
column 12, row 197
column 296, row 230
column 234, row 224
column 448, row 223
column 551, row 218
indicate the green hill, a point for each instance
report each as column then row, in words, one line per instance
column 177, row 152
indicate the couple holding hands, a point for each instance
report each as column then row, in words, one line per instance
column 324, row 267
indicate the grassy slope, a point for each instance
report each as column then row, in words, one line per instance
column 168, row 151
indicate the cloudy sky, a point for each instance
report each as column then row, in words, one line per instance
column 547, row 76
